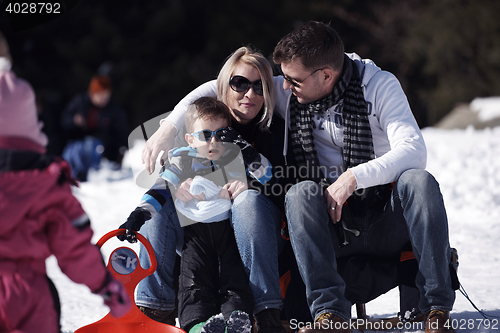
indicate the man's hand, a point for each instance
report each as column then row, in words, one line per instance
column 162, row 139
column 183, row 192
column 337, row 193
column 232, row 189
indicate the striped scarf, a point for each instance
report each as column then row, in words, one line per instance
column 358, row 142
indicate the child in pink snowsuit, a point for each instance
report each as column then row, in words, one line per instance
column 39, row 217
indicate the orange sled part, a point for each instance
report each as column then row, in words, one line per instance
column 124, row 265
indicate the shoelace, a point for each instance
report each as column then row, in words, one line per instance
column 434, row 313
column 324, row 316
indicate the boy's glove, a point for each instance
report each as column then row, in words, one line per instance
column 250, row 155
column 115, row 296
column 134, row 223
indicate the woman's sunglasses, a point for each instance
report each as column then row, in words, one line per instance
column 206, row 135
column 242, row 84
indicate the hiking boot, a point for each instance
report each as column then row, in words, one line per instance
column 328, row 322
column 162, row 316
column 438, row 321
column 269, row 321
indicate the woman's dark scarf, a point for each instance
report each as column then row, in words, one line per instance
column 358, row 142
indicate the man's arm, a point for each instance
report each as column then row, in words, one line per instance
column 338, row 193
column 398, row 142
column 398, row 130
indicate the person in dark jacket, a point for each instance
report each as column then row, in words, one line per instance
column 94, row 126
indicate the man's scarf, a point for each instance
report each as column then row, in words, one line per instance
column 358, row 142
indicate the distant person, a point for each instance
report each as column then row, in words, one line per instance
column 39, row 217
column 213, row 285
column 95, row 127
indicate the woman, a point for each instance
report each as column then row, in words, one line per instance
column 245, row 84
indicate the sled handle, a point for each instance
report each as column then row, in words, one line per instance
column 141, row 238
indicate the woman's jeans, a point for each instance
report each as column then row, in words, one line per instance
column 257, row 226
column 414, row 212
column 166, row 236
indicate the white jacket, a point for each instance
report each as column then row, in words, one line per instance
column 397, row 140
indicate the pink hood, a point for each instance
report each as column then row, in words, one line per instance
column 18, row 113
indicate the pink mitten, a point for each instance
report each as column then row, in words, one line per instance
column 115, row 297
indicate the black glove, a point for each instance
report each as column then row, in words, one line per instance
column 134, row 223
column 250, row 155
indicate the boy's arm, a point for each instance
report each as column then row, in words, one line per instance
column 156, row 197
column 151, row 203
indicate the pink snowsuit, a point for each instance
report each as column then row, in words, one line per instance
column 39, row 216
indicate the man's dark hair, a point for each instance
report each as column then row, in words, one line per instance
column 206, row 108
column 316, row 44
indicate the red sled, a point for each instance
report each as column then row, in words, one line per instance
column 124, row 265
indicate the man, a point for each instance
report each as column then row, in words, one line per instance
column 352, row 121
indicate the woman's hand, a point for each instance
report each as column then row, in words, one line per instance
column 183, row 192
column 162, row 139
column 231, row 190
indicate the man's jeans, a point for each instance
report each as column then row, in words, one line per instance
column 257, row 226
column 166, row 236
column 414, row 212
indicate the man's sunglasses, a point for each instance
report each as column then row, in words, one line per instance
column 242, row 84
column 206, row 135
column 294, row 82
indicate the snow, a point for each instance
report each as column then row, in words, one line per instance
column 465, row 163
column 487, row 108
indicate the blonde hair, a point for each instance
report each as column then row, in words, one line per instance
column 4, row 48
column 258, row 61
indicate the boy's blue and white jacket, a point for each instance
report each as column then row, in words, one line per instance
column 186, row 162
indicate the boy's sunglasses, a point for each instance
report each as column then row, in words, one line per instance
column 242, row 84
column 206, row 135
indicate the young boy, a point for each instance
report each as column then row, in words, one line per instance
column 212, row 277
column 39, row 216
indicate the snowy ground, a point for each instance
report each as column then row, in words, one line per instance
column 466, row 163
